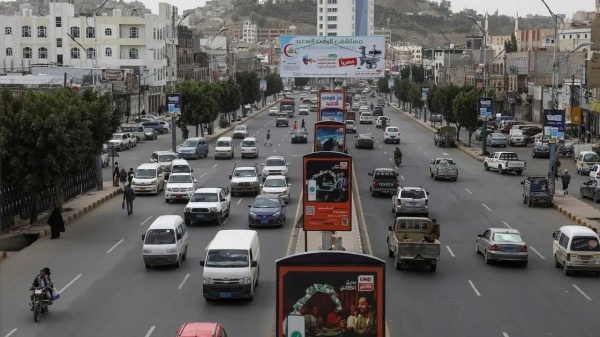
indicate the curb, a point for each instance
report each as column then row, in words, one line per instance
column 579, row 220
column 2, row 255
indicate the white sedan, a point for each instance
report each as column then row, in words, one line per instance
column 277, row 185
column 365, row 118
column 273, row 111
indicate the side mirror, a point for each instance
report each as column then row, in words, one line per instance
column 554, row 235
column 179, row 237
column 287, row 164
column 262, row 164
column 370, row 174
column 201, row 263
column 522, row 183
column 479, row 235
column 143, row 237
column 254, row 264
column 192, row 170
column 427, row 193
column 230, row 176
column 195, row 180
column 389, row 228
column 249, row 206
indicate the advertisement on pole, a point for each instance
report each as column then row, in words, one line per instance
column 173, row 104
column 330, row 136
column 424, row 93
column 391, row 83
column 332, row 56
column 327, row 193
column 263, row 85
column 553, row 123
column 331, row 105
column 331, row 286
column 485, row 106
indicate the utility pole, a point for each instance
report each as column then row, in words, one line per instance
column 484, row 119
column 505, row 78
column 173, row 117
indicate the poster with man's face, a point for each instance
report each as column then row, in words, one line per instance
column 329, row 138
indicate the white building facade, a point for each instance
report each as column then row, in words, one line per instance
column 249, row 31
column 345, row 17
column 568, row 39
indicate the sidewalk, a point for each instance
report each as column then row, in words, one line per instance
column 23, row 232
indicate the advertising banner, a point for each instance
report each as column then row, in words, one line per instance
column 332, row 104
column 113, row 75
column 174, row 104
column 339, row 294
column 332, row 56
column 391, row 82
column 486, row 107
column 553, row 122
column 330, row 136
column 263, row 85
column 424, row 93
column 327, row 192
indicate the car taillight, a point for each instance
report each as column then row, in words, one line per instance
column 397, row 183
column 399, row 202
column 495, row 248
column 374, row 183
column 524, row 249
column 426, row 202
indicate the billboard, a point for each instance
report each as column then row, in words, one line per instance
column 332, row 104
column 553, row 122
column 173, row 104
column 330, row 136
column 327, row 193
column 486, row 107
column 263, row 85
column 332, row 56
column 338, row 293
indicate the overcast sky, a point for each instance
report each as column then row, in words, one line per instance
column 507, row 7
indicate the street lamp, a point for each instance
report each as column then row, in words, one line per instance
column 210, row 53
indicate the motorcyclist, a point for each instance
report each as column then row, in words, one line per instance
column 397, row 155
column 43, row 281
column 383, row 123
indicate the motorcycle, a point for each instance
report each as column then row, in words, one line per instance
column 566, row 151
column 39, row 303
column 398, row 161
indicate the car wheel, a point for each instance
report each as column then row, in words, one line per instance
column 167, row 201
column 486, row 167
column 485, row 258
column 178, row 263
column 197, row 156
column 477, row 251
column 596, row 198
column 566, row 270
column 184, row 256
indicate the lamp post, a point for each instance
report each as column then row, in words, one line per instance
column 210, row 53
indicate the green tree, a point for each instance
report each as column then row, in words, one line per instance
column 401, row 89
column 511, row 46
column 414, row 96
column 249, row 86
column 382, row 84
column 211, row 107
column 274, row 84
column 301, row 81
column 430, row 99
column 465, row 109
column 191, row 99
column 417, row 73
column 443, row 102
column 231, row 97
column 104, row 119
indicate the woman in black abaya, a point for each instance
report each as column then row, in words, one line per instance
column 56, row 223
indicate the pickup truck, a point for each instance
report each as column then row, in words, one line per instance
column 445, row 135
column 383, row 181
column 504, row 162
column 208, row 204
column 407, row 245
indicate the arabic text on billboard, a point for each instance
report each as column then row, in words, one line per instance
column 553, row 122
column 174, row 104
column 332, row 56
column 486, row 107
column 331, row 99
column 113, row 75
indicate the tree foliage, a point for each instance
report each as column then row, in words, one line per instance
column 249, row 86
column 382, row 84
column 417, row 73
column 231, row 96
column 301, row 81
column 274, row 84
column 511, row 46
column 401, row 89
column 465, row 109
column 201, row 103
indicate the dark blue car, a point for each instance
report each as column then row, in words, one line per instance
column 267, row 210
column 541, row 151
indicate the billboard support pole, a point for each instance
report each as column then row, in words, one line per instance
column 326, row 244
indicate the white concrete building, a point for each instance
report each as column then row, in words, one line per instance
column 216, row 50
column 570, row 38
column 249, row 31
column 345, row 17
column 414, row 50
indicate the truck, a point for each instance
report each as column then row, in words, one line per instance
column 383, row 181
column 410, row 243
column 288, row 106
column 245, row 179
column 504, row 162
column 445, row 135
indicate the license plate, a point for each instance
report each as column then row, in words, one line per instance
column 225, row 295
column 264, row 222
column 143, row 189
column 179, row 196
column 199, row 216
column 510, row 250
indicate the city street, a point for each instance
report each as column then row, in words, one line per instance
column 107, row 291
column 466, row 297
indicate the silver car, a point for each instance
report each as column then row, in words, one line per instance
column 502, row 244
column 496, row 139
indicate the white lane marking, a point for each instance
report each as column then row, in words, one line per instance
column 538, row 253
column 381, row 147
column 390, row 159
column 11, row 332
column 274, row 150
column 581, row 292
column 203, row 174
column 474, row 289
column 425, row 153
column 240, row 200
column 143, row 222
column 384, row 152
column 507, row 225
column 215, row 165
column 278, row 144
column 504, row 334
column 419, row 147
column 401, row 176
column 115, row 246
column 70, row 283
column 183, row 282
column 445, row 154
column 450, row 251
column 150, row 331
column 225, row 221
column 486, row 207
column 466, row 189
column 412, row 141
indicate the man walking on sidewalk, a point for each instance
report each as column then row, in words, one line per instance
column 128, row 197
column 116, row 175
column 566, row 180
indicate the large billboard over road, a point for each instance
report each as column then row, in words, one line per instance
column 327, row 193
column 337, row 293
column 332, row 56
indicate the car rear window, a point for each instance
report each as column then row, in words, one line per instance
column 585, row 244
column 384, row 175
column 392, row 129
column 412, row 194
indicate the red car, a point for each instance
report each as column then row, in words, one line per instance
column 201, row 329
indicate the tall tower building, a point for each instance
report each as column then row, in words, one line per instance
column 345, row 17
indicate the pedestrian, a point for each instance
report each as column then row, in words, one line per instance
column 128, row 197
column 557, row 169
column 130, row 175
column 116, row 175
column 268, row 139
column 295, row 125
column 56, row 223
column 123, row 179
column 566, row 179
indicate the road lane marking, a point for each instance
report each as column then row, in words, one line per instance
column 401, row 176
column 240, row 200
column 474, row 289
column 384, row 152
column 445, row 154
column 296, row 218
column 425, row 153
column 70, row 283
column 203, row 174
column 274, row 150
column 581, row 292
column 419, row 147
column 115, row 246
column 466, row 189
column 486, row 206
column 450, row 251
column 381, row 147
column 11, row 332
column 278, row 144
column 507, row 225
column 215, row 165
column 504, row 334
column 143, row 222
column 538, row 253
column 150, row 331
column 183, row 282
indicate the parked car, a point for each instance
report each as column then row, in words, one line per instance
column 479, row 133
column 516, row 137
column 150, row 134
column 502, row 244
column 364, row 141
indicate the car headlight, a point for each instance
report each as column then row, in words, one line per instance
column 147, row 251
column 252, row 214
column 264, row 192
column 207, row 280
column 187, row 210
column 277, row 214
column 169, row 190
column 171, row 251
column 285, row 170
column 253, row 183
column 265, row 171
column 234, row 183
column 154, row 182
column 245, row 280
column 214, row 209
column 190, row 189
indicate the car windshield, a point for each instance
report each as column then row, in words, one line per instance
column 204, row 197
column 392, row 129
column 145, row 173
column 497, row 136
column 366, row 114
column 299, row 132
column 181, row 169
column 265, row 203
column 349, row 122
column 223, row 143
column 590, row 157
column 383, row 118
column 585, row 244
column 163, row 158
column 244, row 173
column 240, row 128
column 160, row 237
column 275, row 162
column 275, row 183
column 384, row 175
column 248, row 143
column 412, row 194
column 446, row 163
column 190, row 143
column 148, row 130
column 507, row 237
column 117, row 137
column 227, row 259
column 364, row 136
column 180, row 179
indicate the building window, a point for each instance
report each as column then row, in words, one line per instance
column 108, row 52
column 320, row 18
column 134, row 33
column 26, row 31
column 133, row 53
column 59, row 42
column 585, row 36
column 154, row 34
column 332, row 2
column 27, row 53
column 320, row 26
column 41, row 31
column 332, row 18
column 74, row 53
column 578, row 36
column 108, row 32
column 8, row 51
column 75, row 32
column 58, row 21
column 332, row 26
column 43, row 53
column 331, row 34
column 332, row 10
column 91, row 53
column 8, row 31
column 90, row 33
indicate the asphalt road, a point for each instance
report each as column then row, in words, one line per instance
column 107, row 291
column 466, row 297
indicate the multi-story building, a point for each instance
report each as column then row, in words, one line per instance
column 263, row 34
column 217, row 51
column 185, row 55
column 387, row 33
column 414, row 50
column 249, row 32
column 339, row 18
column 568, row 39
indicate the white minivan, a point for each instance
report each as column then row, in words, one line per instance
column 224, row 148
column 165, row 242
column 148, row 178
column 249, row 148
column 576, row 248
column 231, row 265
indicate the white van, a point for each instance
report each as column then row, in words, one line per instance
column 165, row 242
column 249, row 148
column 180, row 166
column 224, row 148
column 148, row 178
column 576, row 248
column 231, row 265
column 135, row 130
